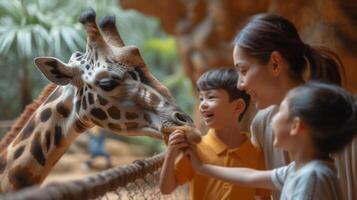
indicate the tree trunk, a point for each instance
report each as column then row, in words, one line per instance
column 25, row 86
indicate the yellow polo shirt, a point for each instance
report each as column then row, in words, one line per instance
column 212, row 151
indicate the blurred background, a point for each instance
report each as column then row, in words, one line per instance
column 179, row 40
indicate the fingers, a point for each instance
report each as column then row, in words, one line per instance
column 177, row 140
column 176, row 137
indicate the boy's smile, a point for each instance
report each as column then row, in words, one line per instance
column 216, row 108
column 207, row 116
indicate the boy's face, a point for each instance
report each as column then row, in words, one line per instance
column 217, row 110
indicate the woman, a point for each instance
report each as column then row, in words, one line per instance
column 271, row 59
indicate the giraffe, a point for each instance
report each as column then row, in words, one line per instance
column 109, row 86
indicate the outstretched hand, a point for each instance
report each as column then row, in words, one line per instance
column 195, row 161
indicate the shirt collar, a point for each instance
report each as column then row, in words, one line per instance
column 219, row 147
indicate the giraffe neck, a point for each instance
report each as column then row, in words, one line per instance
column 44, row 139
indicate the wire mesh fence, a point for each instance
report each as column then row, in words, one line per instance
column 139, row 180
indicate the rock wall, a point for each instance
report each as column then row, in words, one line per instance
column 204, row 29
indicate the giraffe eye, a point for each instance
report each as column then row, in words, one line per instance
column 107, row 84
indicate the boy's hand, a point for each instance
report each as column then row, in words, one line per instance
column 177, row 141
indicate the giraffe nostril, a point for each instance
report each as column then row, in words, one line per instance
column 182, row 118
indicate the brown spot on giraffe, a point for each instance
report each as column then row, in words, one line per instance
column 90, row 98
column 19, row 152
column 102, row 100
column 79, row 126
column 26, row 132
column 45, row 114
column 130, row 115
column 58, row 135
column 154, row 99
column 36, row 149
column 62, row 110
column 99, row 113
column 84, row 102
column 114, row 112
column 48, row 140
column 21, row 177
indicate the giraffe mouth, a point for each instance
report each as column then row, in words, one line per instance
column 193, row 135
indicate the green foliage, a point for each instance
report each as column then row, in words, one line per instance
column 162, row 53
column 33, row 27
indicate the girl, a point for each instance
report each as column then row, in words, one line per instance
column 313, row 121
column 271, row 60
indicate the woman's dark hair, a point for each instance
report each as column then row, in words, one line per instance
column 226, row 79
column 266, row 33
column 329, row 110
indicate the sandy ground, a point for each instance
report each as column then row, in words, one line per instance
column 71, row 165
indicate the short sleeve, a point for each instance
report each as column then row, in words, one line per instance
column 184, row 171
column 256, row 129
column 279, row 175
column 259, row 125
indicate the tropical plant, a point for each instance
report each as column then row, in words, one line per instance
column 32, row 28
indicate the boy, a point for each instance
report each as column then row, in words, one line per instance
column 222, row 106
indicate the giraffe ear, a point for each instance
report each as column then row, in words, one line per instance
column 55, row 70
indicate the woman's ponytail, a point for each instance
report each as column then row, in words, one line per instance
column 266, row 33
column 324, row 65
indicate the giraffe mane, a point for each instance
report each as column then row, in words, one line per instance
column 25, row 116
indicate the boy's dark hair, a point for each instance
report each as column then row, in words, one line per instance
column 223, row 78
column 329, row 110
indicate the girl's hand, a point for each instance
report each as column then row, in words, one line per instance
column 195, row 161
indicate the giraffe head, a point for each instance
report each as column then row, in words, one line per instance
column 112, row 87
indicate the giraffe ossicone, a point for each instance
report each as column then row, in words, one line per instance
column 109, row 86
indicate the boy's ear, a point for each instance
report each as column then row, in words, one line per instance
column 240, row 105
column 297, row 126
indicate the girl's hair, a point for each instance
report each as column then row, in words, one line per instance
column 329, row 110
column 266, row 33
column 226, row 79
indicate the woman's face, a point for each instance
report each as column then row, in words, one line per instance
column 256, row 79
